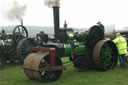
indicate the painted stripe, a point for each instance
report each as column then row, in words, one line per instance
column 124, row 49
column 121, row 42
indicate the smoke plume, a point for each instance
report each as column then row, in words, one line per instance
column 52, row 3
column 17, row 12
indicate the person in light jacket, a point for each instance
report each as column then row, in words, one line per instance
column 121, row 44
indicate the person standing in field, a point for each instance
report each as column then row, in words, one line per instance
column 121, row 44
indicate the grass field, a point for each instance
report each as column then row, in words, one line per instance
column 14, row 75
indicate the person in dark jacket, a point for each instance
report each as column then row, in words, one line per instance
column 101, row 26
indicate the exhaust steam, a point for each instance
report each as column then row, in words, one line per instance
column 52, row 3
column 17, row 12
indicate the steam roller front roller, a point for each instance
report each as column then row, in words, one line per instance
column 105, row 55
column 24, row 47
column 37, row 66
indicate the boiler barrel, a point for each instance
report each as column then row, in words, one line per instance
column 5, row 45
column 75, row 49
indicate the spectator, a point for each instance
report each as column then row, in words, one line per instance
column 121, row 44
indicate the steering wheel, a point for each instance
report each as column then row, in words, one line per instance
column 19, row 32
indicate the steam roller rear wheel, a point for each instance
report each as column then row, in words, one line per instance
column 24, row 47
column 95, row 35
column 2, row 62
column 41, row 60
column 105, row 55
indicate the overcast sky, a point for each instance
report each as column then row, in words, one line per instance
column 77, row 13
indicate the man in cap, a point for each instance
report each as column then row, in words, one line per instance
column 121, row 44
column 101, row 26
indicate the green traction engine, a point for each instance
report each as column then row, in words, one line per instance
column 15, row 45
column 85, row 50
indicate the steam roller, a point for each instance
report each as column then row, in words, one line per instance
column 88, row 49
column 85, row 50
column 14, row 45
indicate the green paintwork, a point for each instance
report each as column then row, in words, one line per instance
column 80, row 48
column 106, row 57
column 5, row 45
column 68, row 49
